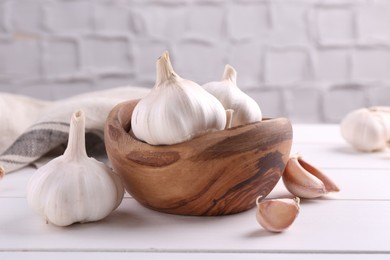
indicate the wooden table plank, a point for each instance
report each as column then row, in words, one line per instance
column 184, row 255
column 317, row 134
column 353, row 223
column 341, row 156
column 338, row 226
column 354, row 184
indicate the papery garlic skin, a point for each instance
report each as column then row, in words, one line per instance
column 74, row 187
column 367, row 129
column 246, row 110
column 276, row 215
column 176, row 109
column 306, row 181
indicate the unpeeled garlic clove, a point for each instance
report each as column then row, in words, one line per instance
column 306, row 181
column 2, row 172
column 276, row 215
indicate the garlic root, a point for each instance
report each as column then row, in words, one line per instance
column 306, row 181
column 276, row 215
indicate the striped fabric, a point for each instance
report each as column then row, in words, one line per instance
column 52, row 126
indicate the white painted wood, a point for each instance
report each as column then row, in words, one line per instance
column 354, row 184
column 341, row 156
column 317, row 134
column 184, row 255
column 324, row 146
column 323, row 225
column 351, row 224
column 14, row 184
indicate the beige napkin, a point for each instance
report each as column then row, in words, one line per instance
column 31, row 128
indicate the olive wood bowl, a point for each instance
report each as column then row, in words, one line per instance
column 218, row 173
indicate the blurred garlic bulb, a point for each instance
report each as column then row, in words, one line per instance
column 246, row 110
column 367, row 129
column 176, row 109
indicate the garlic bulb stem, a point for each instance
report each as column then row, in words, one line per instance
column 164, row 69
column 76, row 143
column 230, row 74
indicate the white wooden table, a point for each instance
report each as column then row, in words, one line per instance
column 351, row 224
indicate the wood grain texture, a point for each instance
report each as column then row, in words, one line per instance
column 218, row 173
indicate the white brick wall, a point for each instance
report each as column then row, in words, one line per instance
column 309, row 60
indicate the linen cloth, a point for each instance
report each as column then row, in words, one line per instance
column 31, row 128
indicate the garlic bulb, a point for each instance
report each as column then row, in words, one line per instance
column 367, row 129
column 74, row 187
column 176, row 109
column 246, row 110
column 276, row 215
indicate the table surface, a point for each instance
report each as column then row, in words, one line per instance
column 353, row 223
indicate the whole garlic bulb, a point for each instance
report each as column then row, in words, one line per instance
column 246, row 110
column 74, row 187
column 367, row 129
column 176, row 109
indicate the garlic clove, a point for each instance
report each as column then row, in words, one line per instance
column 329, row 184
column 276, row 215
column 246, row 110
column 306, row 181
column 2, row 172
column 367, row 129
column 176, row 109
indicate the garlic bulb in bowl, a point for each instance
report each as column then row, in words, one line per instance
column 367, row 129
column 246, row 110
column 176, row 109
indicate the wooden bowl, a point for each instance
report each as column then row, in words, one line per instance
column 217, row 173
